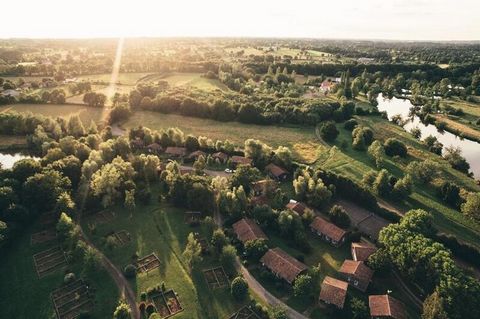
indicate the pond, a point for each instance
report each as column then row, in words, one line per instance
column 7, row 159
column 470, row 149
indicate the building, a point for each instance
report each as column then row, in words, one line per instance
column 154, row 148
column 137, row 144
column 326, row 86
column 297, row 207
column 222, row 157
column 259, row 200
column 385, row 306
column 193, row 156
column 328, row 231
column 263, row 187
column 361, row 251
column 283, row 265
column 333, row 292
column 276, row 172
column 246, row 229
column 357, row 274
column 176, row 152
column 240, row 160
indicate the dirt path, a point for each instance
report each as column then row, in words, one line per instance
column 413, row 298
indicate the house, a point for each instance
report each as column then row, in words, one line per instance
column 357, row 274
column 259, row 200
column 195, row 155
column 283, row 265
column 222, row 157
column 326, row 86
column 333, row 292
column 177, row 152
column 154, row 148
column 186, row 170
column 240, row 160
column 246, row 229
column 276, row 172
column 385, row 306
column 361, row 251
column 137, row 144
column 328, row 231
column 263, row 187
column 297, row 207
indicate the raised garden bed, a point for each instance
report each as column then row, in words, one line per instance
column 244, row 313
column 216, row 277
column 49, row 261
column 167, row 303
column 43, row 236
column 71, row 300
column 148, row 263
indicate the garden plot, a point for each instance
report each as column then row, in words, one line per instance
column 244, row 313
column 103, row 217
column 43, row 236
column 192, row 218
column 167, row 303
column 147, row 263
column 49, row 261
column 122, row 237
column 69, row 301
column 216, row 277
column 48, row 219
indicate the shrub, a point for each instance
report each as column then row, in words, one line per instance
column 239, row 288
column 130, row 271
column 339, row 216
column 70, row 277
column 150, row 309
column 394, row 147
column 142, row 306
column 350, row 124
column 328, row 131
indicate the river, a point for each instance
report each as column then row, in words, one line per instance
column 8, row 159
column 470, row 149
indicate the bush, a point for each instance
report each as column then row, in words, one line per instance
column 339, row 216
column 328, row 131
column 395, row 147
column 70, row 277
column 150, row 309
column 350, row 124
column 130, row 271
column 239, row 288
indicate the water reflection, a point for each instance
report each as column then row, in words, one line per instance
column 8, row 159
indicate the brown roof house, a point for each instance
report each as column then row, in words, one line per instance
column 137, row 144
column 154, row 148
column 174, row 151
column 297, row 207
column 283, row 265
column 333, row 292
column 246, row 229
column 259, row 200
column 222, row 157
column 276, row 172
column 357, row 274
column 193, row 156
column 263, row 187
column 328, row 231
column 240, row 160
column 361, row 251
column 385, row 306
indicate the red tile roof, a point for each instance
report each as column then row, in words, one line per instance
column 259, row 200
column 282, row 264
column 179, row 151
column 263, row 185
column 361, row 251
column 246, row 229
column 220, row 155
column 155, row 147
column 357, row 269
column 241, row 160
column 386, row 306
column 297, row 207
column 322, row 226
column 197, row 154
column 334, row 291
column 275, row 170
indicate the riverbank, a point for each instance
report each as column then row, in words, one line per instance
column 457, row 128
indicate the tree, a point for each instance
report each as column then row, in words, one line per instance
column 255, row 249
column 382, row 185
column 454, row 156
column 65, row 226
column 259, row 152
column 122, row 311
column 424, row 171
column 394, row 147
column 433, row 307
column 278, row 312
column 228, row 258
column 243, row 176
column 450, row 193
column 41, row 191
column 91, row 260
column 376, row 152
column 3, row 233
column 359, row 309
column 75, row 126
column 471, row 207
column 192, row 252
column 339, row 216
column 328, row 131
column 419, row 221
column 130, row 199
column 402, row 188
column 239, row 288
column 199, row 165
column 303, row 286
column 219, row 240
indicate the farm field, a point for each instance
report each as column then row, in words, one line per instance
column 24, row 295
column 354, row 164
column 160, row 229
column 177, row 79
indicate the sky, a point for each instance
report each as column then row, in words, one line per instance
column 346, row 19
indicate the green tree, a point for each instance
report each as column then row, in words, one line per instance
column 471, row 207
column 303, row 286
column 239, row 288
column 192, row 252
column 328, row 131
column 122, row 311
column 433, row 307
column 219, row 240
column 359, row 309
column 339, row 216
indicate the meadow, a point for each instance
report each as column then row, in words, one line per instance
column 177, row 79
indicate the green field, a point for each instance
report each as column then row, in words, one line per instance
column 24, row 295
column 123, row 78
column 195, row 80
column 161, row 229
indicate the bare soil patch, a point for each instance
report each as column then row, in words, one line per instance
column 216, row 277
column 147, row 263
column 167, row 303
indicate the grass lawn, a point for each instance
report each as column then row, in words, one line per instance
column 301, row 140
column 160, row 228
column 177, row 79
column 12, row 141
column 24, row 295
column 123, row 78
column 86, row 113
column 354, row 164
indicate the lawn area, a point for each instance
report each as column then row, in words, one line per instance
column 160, row 228
column 177, row 79
column 9, row 141
column 354, row 164
column 24, row 295
column 123, row 78
column 301, row 140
